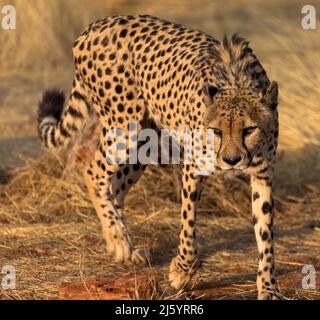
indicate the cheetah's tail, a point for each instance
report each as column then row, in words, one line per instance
column 58, row 125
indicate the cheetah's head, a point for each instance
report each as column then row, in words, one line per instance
column 242, row 121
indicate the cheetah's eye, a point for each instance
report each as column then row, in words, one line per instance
column 217, row 132
column 249, row 130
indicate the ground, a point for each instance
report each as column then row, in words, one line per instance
column 48, row 228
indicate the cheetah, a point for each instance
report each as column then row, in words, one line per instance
column 142, row 69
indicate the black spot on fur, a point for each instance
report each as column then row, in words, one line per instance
column 269, row 259
column 123, row 33
column 255, row 196
column 185, row 214
column 185, row 193
column 193, row 196
column 265, row 236
column 118, row 89
column 266, row 207
column 254, row 220
column 191, row 223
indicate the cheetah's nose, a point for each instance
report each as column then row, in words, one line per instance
column 231, row 161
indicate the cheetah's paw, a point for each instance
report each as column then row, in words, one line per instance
column 178, row 279
column 269, row 295
column 120, row 250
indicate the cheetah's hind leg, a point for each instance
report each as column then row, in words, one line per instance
column 105, row 200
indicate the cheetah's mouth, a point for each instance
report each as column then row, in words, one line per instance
column 231, row 170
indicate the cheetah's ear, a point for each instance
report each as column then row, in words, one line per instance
column 208, row 94
column 270, row 98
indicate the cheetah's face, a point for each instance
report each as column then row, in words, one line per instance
column 242, row 122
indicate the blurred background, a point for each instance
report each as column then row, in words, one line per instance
column 38, row 54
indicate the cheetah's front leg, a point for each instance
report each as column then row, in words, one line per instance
column 262, row 212
column 185, row 264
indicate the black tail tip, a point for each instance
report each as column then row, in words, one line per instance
column 51, row 104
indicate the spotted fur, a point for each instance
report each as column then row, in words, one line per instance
column 135, row 68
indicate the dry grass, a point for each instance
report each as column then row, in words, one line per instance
column 51, row 233
column 48, row 229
